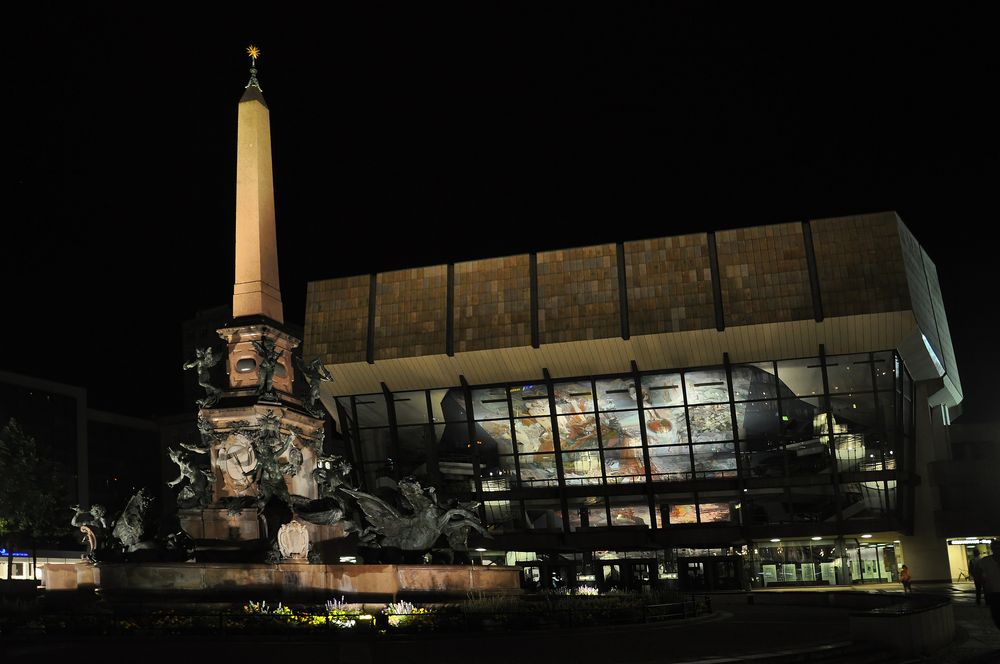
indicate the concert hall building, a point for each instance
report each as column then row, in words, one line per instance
column 723, row 409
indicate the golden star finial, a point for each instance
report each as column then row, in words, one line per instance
column 253, row 52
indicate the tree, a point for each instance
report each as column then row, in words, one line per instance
column 32, row 487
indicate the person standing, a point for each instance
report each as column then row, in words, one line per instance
column 989, row 572
column 904, row 577
column 976, row 576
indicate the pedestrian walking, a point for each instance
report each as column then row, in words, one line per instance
column 989, row 571
column 974, row 573
column 904, row 577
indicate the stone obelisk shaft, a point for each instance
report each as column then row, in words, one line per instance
column 256, row 291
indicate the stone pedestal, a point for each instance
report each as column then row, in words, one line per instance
column 243, row 362
column 216, row 523
column 320, row 581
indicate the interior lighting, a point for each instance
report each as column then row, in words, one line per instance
column 816, row 539
column 776, row 539
column 865, row 536
column 480, row 549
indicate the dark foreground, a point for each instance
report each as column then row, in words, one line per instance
column 735, row 629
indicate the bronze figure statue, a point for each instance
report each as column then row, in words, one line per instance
column 131, row 525
column 204, row 360
column 418, row 530
column 315, row 374
column 198, row 490
column 268, row 361
column 94, row 528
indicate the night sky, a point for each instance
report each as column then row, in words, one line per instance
column 405, row 138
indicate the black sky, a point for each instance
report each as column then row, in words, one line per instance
column 403, row 137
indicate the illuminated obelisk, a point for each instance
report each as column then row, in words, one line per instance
column 259, row 420
column 256, row 291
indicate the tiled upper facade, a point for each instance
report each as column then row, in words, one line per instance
column 578, row 294
column 860, row 264
column 667, row 297
column 492, row 303
column 337, row 318
column 410, row 312
column 764, row 274
column 669, row 283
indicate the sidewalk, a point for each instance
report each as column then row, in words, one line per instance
column 977, row 639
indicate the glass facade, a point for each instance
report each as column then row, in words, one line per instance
column 772, row 442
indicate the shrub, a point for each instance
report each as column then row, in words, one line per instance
column 403, row 614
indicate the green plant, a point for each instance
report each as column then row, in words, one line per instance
column 403, row 614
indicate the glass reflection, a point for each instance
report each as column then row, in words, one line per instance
column 496, row 435
column 681, row 514
column 662, row 390
column 543, row 515
column 854, row 413
column 706, row 386
column 800, row 377
column 413, row 444
column 410, row 407
column 616, row 394
column 534, row 434
column 629, row 512
column 530, row 400
column 758, row 424
column 622, row 463
column 448, row 405
column 490, row 403
column 715, row 460
column 587, row 512
column 620, row 429
column 574, row 397
column 670, row 461
column 582, row 467
column 753, row 381
column 538, row 468
column 885, row 370
column 371, row 410
column 710, row 423
column 666, row 426
column 849, row 373
column 577, row 432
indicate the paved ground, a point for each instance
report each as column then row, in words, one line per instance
column 977, row 639
column 736, row 629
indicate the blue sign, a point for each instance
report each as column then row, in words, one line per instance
column 16, row 554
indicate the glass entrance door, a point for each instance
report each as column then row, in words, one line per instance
column 710, row 573
column 611, row 575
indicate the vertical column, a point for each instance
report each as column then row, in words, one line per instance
column 557, row 446
column 372, row 294
column 733, row 423
column 834, row 470
column 622, row 290
column 813, row 272
column 533, row 273
column 390, row 409
column 713, row 256
column 450, row 329
column 477, row 473
column 432, row 451
column 640, row 401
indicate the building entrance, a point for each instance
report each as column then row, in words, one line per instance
column 708, row 573
column 634, row 575
column 549, row 575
